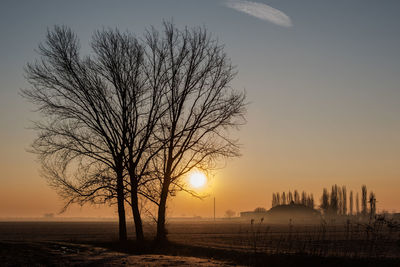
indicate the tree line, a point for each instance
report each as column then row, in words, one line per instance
column 293, row 198
column 125, row 123
column 335, row 202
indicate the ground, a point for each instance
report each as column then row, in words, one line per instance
column 24, row 253
column 196, row 243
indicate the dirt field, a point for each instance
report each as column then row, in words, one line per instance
column 202, row 243
column 68, row 254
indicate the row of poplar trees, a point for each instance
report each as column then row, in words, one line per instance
column 295, row 198
column 335, row 202
column 126, row 122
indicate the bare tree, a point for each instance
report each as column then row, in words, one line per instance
column 202, row 107
column 101, row 112
column 143, row 75
column 84, row 126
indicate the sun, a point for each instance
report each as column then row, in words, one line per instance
column 198, row 179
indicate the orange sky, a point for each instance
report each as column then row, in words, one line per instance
column 244, row 184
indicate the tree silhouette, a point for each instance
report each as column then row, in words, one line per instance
column 101, row 113
column 306, row 200
column 351, row 202
column 274, row 200
column 303, row 198
column 334, row 200
column 84, row 127
column 278, row 199
column 357, row 204
column 290, row 197
column 283, row 201
column 372, row 204
column 296, row 197
column 344, row 200
column 128, row 64
column 130, row 120
column 312, row 203
column 364, row 200
column 202, row 107
column 340, row 201
column 325, row 201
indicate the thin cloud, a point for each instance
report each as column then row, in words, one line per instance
column 261, row 11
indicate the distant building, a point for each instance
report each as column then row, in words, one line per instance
column 257, row 214
column 295, row 213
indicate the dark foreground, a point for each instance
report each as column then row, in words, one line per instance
column 192, row 244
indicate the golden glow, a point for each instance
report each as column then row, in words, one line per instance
column 198, row 179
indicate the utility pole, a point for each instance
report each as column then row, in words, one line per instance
column 214, row 208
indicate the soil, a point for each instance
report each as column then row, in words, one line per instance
column 20, row 253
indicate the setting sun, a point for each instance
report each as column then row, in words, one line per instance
column 198, row 179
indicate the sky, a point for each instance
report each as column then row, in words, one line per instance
column 322, row 80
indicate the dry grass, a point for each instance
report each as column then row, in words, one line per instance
column 242, row 242
column 378, row 238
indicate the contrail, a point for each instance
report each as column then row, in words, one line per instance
column 261, row 11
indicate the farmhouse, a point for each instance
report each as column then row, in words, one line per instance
column 257, row 214
column 295, row 213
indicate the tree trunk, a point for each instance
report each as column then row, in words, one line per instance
column 136, row 216
column 121, row 208
column 161, row 230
